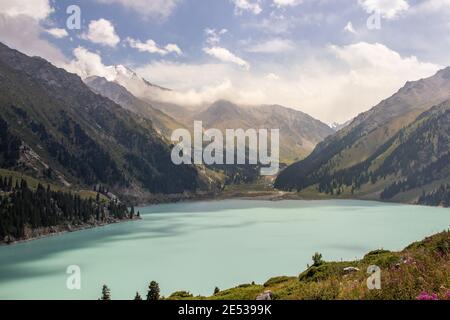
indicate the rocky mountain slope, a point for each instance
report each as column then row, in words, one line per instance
column 382, row 152
column 54, row 127
column 148, row 92
column 163, row 123
column 299, row 132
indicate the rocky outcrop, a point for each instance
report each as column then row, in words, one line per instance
column 265, row 296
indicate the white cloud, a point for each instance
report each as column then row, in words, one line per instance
column 276, row 45
column 272, row 77
column 20, row 28
column 213, row 36
column 284, row 3
column 195, row 97
column 388, row 9
column 159, row 9
column 36, row 9
column 151, row 46
column 171, row 47
column 364, row 75
column 184, row 76
column 196, row 84
column 333, row 84
column 226, row 56
column 57, row 32
column 87, row 63
column 276, row 25
column 349, row 28
column 102, row 32
column 431, row 6
column 366, row 56
column 251, row 6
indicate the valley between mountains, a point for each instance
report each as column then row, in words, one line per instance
column 82, row 152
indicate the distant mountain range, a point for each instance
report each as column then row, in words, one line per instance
column 299, row 132
column 399, row 150
column 55, row 128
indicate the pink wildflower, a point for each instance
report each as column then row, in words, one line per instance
column 425, row 296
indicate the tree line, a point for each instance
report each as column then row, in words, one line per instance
column 22, row 208
column 439, row 197
column 153, row 293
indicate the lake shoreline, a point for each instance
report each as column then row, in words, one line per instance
column 276, row 195
column 273, row 196
column 202, row 236
column 55, row 231
column 44, row 233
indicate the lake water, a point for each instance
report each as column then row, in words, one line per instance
column 198, row 246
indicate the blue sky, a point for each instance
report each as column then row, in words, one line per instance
column 311, row 23
column 318, row 56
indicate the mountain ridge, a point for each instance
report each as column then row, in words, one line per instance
column 77, row 134
column 345, row 162
column 114, row 91
column 299, row 132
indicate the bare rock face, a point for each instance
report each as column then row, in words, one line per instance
column 350, row 270
column 265, row 296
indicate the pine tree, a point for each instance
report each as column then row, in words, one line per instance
column 317, row 259
column 216, row 290
column 137, row 297
column 153, row 291
column 106, row 293
column 46, row 208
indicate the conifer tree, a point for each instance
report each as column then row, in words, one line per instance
column 317, row 259
column 153, row 291
column 106, row 293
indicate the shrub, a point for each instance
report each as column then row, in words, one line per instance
column 180, row 295
column 276, row 280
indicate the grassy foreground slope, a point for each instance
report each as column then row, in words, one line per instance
column 421, row 271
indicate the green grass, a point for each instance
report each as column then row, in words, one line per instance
column 17, row 177
column 423, row 266
column 33, row 184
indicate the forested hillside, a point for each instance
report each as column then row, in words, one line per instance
column 395, row 159
column 25, row 212
column 53, row 126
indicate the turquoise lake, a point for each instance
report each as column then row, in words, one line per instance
column 200, row 245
